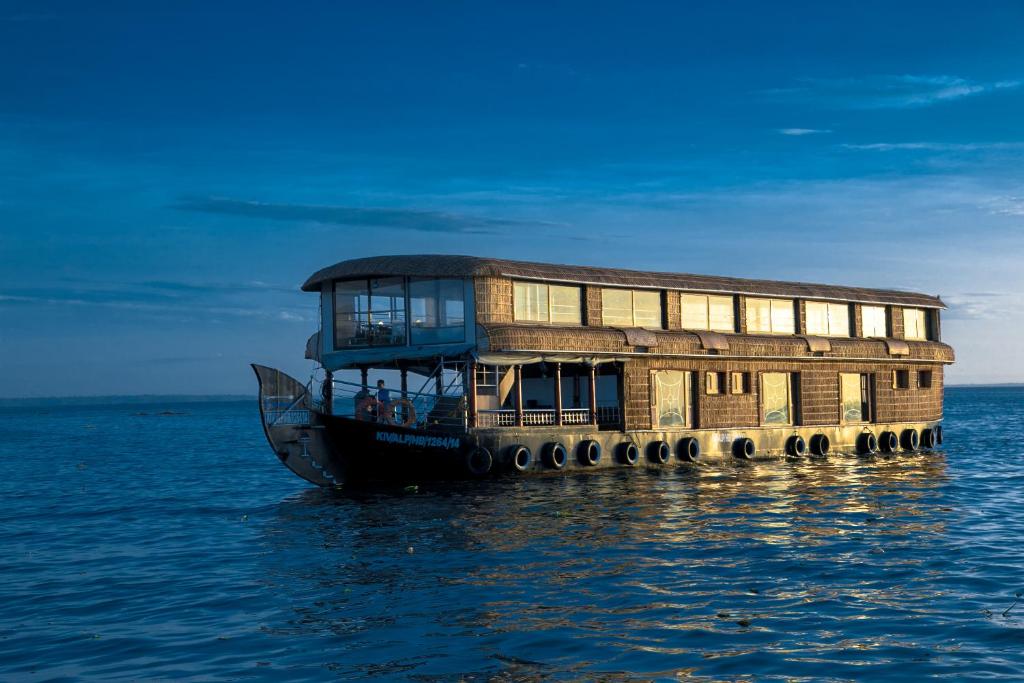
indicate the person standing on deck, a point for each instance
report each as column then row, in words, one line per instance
column 383, row 399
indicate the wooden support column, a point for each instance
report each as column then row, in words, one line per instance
column 519, row 395
column 558, row 394
column 593, row 395
column 471, row 394
column 365, row 374
column 405, row 382
column 439, row 380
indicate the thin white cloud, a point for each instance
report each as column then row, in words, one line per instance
column 934, row 146
column 803, row 131
column 890, row 91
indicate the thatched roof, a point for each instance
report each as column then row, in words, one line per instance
column 432, row 265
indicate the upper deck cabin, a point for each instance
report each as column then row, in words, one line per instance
column 382, row 311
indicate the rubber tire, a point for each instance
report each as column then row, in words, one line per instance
column 867, row 443
column 938, row 435
column 889, row 442
column 910, row 440
column 479, row 461
column 589, row 453
column 555, row 456
column 522, row 458
column 796, row 446
column 928, row 439
column 744, row 448
column 628, row 453
column 659, row 452
column 820, row 445
column 688, row 449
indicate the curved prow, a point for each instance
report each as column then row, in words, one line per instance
column 294, row 428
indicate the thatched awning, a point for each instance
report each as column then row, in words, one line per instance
column 447, row 266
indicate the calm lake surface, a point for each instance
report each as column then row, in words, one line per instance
column 176, row 546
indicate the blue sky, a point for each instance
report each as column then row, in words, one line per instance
column 170, row 172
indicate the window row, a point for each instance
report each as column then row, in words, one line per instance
column 391, row 311
column 537, row 302
column 779, row 393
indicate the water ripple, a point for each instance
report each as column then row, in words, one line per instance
column 177, row 547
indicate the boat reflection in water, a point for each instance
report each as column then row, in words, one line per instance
column 801, row 568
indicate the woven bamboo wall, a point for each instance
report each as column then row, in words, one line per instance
column 915, row 403
column 896, row 320
column 494, row 303
column 513, row 337
column 592, row 303
column 818, row 391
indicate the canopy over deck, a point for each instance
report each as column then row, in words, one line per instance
column 449, row 266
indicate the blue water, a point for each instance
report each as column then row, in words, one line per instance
column 176, row 546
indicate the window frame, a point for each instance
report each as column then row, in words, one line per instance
column 368, row 292
column 791, row 414
column 549, row 286
column 715, row 383
column 897, row 375
column 864, row 388
column 731, row 298
column 632, row 304
column 688, row 404
column 886, row 323
column 739, row 379
column 829, row 306
column 922, row 315
column 772, row 301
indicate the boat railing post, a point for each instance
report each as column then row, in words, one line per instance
column 327, row 392
column 558, row 394
column 593, row 395
column 471, row 394
column 519, row 395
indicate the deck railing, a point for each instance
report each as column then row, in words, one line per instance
column 544, row 417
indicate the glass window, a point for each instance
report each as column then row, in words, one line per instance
column 351, row 314
column 647, row 309
column 617, row 307
column 873, row 321
column 775, row 398
column 671, row 388
column 924, row 379
column 539, row 302
column 707, row 312
column 914, row 324
column 828, row 319
column 901, row 379
column 387, row 311
column 438, row 311
column 369, row 312
column 772, row 316
column 853, row 397
column 565, row 305
column 531, row 301
column 631, row 308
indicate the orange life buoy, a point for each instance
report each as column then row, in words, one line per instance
column 389, row 414
column 364, row 409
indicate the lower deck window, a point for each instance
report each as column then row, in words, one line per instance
column 776, row 398
column 901, row 379
column 740, row 383
column 715, row 383
column 854, row 397
column 924, row 379
column 671, row 392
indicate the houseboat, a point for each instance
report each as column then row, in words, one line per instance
column 449, row 366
